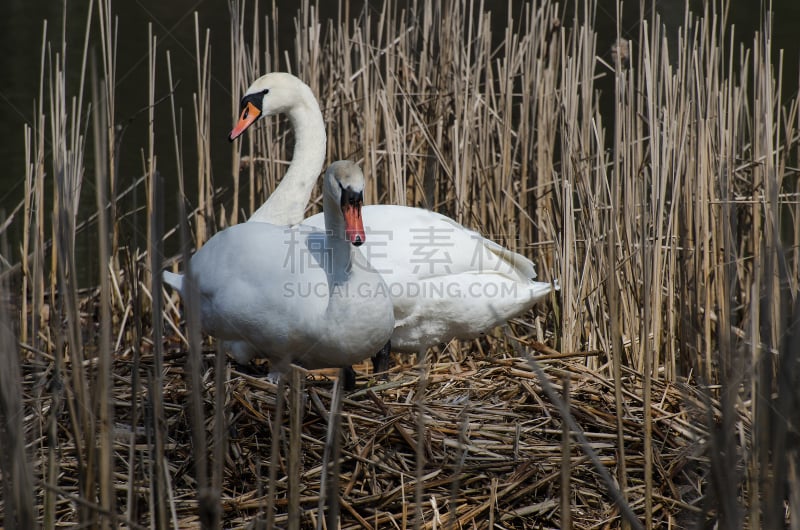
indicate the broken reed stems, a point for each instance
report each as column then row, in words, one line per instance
column 611, row 488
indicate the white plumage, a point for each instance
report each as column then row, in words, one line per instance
column 295, row 294
column 446, row 281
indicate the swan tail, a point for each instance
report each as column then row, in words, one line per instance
column 173, row 280
column 539, row 290
column 518, row 262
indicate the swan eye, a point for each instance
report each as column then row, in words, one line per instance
column 266, row 91
column 350, row 197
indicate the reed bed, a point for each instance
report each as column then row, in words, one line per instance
column 493, row 446
column 655, row 389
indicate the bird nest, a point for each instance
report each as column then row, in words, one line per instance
column 472, row 442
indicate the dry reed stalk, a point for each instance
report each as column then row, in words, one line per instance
column 651, row 258
column 617, row 210
column 274, row 456
column 202, row 116
column 150, row 277
column 135, row 412
column 176, row 135
column 108, row 49
column 219, row 438
column 238, row 17
column 149, row 162
column 26, row 240
column 295, row 467
column 105, row 408
column 419, row 447
column 566, row 504
column 194, row 373
column 329, row 499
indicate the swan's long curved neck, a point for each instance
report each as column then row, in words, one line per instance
column 287, row 204
column 341, row 250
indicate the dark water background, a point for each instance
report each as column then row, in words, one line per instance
column 21, row 28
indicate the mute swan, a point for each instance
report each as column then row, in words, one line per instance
column 295, row 294
column 446, row 281
column 279, row 93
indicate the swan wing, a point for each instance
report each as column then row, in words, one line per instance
column 413, row 244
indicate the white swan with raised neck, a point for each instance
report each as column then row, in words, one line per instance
column 280, row 93
column 446, row 281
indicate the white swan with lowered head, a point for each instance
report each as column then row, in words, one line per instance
column 446, row 281
column 295, row 294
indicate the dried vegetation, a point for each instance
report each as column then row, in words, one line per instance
column 657, row 385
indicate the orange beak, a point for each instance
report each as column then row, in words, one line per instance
column 353, row 226
column 249, row 114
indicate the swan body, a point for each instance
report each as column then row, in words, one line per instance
column 295, row 294
column 446, row 281
column 450, row 282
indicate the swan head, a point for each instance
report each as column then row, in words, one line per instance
column 343, row 189
column 270, row 94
